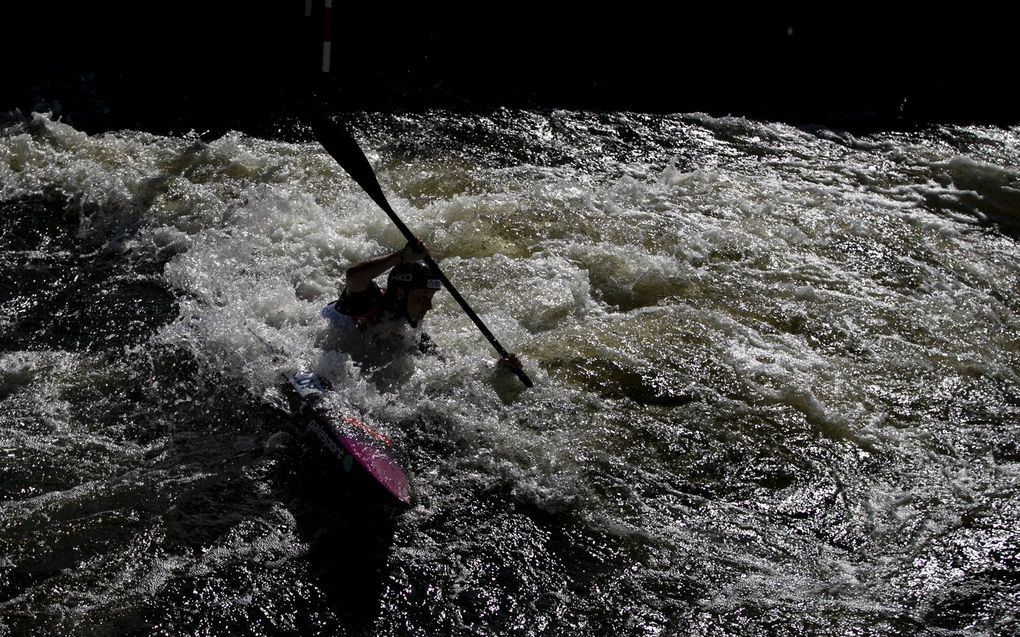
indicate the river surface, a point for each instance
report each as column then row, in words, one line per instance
column 777, row 381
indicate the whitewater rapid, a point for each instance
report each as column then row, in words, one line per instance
column 776, row 380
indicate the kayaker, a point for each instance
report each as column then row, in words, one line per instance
column 390, row 318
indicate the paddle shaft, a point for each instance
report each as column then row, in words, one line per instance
column 339, row 143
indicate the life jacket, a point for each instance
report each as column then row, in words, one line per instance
column 361, row 310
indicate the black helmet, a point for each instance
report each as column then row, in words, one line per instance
column 413, row 276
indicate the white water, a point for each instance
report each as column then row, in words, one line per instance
column 776, row 377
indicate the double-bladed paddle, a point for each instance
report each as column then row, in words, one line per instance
column 339, row 143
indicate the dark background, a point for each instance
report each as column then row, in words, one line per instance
column 180, row 66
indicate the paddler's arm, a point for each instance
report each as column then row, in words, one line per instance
column 360, row 276
column 504, row 380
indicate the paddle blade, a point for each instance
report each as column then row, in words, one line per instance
column 342, row 146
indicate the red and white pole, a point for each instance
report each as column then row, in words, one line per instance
column 327, row 35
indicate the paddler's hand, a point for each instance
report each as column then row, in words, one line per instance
column 510, row 362
column 413, row 251
column 504, row 379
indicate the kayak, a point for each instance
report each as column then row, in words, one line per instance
column 357, row 448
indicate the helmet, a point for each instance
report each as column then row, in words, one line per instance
column 413, row 276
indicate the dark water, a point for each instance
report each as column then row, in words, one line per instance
column 776, row 381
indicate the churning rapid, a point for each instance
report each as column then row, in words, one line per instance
column 776, row 381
